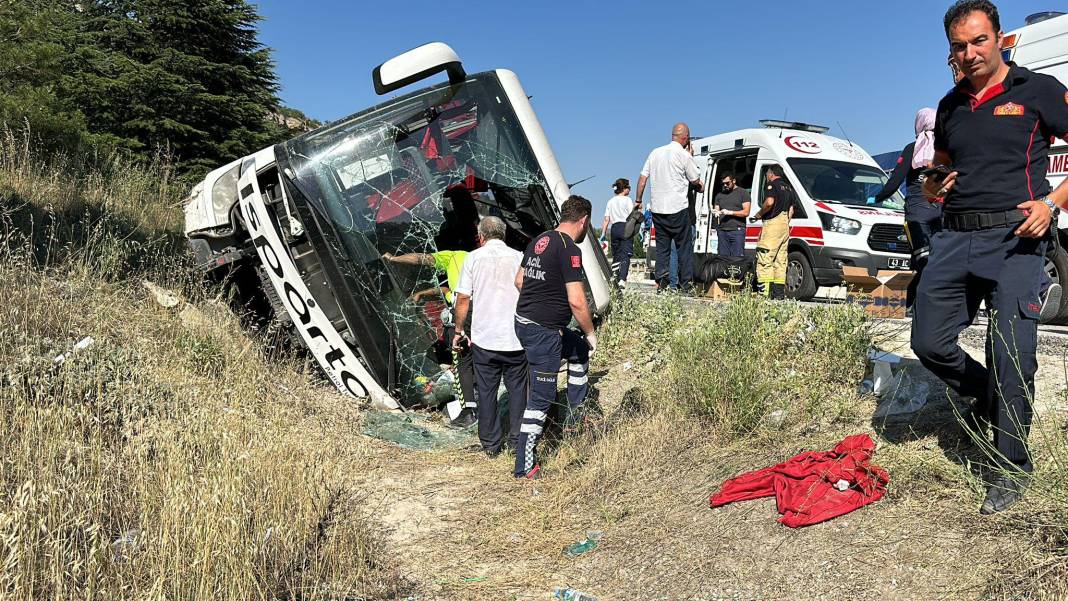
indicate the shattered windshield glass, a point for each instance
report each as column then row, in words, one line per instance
column 409, row 179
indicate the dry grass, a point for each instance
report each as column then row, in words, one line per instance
column 171, row 458
column 178, row 458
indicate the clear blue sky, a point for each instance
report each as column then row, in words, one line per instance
column 609, row 79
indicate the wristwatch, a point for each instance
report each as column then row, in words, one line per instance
column 1049, row 203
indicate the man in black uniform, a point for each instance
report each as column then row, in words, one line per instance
column 994, row 131
column 776, row 211
column 551, row 291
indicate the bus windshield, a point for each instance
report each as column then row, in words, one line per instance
column 846, row 183
column 413, row 177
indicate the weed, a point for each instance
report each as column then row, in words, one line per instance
column 164, row 460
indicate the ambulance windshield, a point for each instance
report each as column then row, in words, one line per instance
column 847, row 183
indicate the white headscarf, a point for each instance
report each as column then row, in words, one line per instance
column 923, row 152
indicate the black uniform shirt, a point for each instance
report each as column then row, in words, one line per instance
column 551, row 261
column 783, row 195
column 999, row 144
column 917, row 207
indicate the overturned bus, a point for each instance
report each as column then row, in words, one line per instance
column 304, row 225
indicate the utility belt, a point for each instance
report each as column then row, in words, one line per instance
column 970, row 222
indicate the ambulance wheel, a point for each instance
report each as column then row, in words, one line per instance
column 800, row 283
column 1057, row 268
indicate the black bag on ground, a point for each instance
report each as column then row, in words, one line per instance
column 634, row 223
column 735, row 269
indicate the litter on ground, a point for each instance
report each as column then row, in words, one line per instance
column 813, row 487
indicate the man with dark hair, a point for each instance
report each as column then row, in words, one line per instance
column 992, row 133
column 670, row 171
column 551, row 291
column 731, row 205
column 963, row 9
column 776, row 212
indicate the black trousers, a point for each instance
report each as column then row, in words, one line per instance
column 1007, row 272
column 490, row 367
column 674, row 228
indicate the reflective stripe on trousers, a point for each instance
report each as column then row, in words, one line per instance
column 544, row 348
column 771, row 249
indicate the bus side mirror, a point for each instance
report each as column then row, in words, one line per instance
column 416, row 64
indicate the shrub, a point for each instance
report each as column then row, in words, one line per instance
column 734, row 363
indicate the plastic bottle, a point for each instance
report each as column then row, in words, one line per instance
column 589, row 544
column 570, row 594
column 881, row 377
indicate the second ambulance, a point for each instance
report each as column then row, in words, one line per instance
column 835, row 223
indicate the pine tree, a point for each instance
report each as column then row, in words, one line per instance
column 186, row 75
column 34, row 45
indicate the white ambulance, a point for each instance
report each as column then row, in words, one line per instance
column 834, row 225
column 1042, row 46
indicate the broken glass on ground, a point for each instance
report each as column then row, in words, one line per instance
column 415, row 431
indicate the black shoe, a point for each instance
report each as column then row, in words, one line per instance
column 493, row 453
column 465, row 419
column 1003, row 493
column 1051, row 304
column 976, row 422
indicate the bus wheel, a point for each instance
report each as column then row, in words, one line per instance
column 800, row 283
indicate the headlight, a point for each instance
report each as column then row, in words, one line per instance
column 839, row 225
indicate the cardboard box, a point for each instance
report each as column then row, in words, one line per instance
column 881, row 295
column 722, row 291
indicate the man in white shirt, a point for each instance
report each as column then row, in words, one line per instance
column 488, row 294
column 670, row 170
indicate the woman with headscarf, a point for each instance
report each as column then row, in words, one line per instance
column 922, row 217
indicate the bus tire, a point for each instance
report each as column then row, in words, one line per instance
column 800, row 282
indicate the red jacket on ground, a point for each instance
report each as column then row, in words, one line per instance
column 807, row 486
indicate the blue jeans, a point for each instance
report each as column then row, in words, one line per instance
column 731, row 243
column 622, row 250
column 544, row 347
column 673, row 266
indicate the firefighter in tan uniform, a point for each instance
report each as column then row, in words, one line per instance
column 775, row 211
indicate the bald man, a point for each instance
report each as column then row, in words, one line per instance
column 669, row 171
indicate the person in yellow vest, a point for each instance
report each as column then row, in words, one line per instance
column 462, row 410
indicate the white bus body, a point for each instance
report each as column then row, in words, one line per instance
column 303, row 226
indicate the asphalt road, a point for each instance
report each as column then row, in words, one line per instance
column 837, row 295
